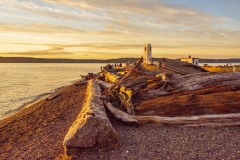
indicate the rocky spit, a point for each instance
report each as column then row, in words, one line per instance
column 37, row 132
column 152, row 141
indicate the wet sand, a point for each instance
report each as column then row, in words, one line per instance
column 37, row 132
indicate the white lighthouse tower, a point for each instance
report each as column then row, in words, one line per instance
column 147, row 54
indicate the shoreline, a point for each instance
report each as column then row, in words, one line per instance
column 36, row 100
column 38, row 131
column 25, row 105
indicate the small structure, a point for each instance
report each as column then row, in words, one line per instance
column 234, row 68
column 193, row 61
column 147, row 54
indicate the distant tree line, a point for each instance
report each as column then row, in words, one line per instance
column 119, row 60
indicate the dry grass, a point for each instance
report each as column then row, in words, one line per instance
column 220, row 68
column 151, row 67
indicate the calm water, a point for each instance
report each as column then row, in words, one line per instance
column 218, row 64
column 22, row 83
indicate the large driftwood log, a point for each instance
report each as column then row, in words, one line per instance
column 200, row 120
column 144, row 72
column 92, row 128
column 204, row 79
column 153, row 86
column 127, row 89
column 192, row 103
column 131, row 82
column 104, row 85
column 202, row 91
column 124, row 88
column 176, row 70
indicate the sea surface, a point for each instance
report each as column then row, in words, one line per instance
column 23, row 83
column 219, row 64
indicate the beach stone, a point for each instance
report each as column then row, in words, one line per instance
column 92, row 127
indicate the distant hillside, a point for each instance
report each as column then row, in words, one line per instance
column 122, row 60
column 43, row 60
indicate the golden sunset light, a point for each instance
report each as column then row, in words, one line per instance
column 107, row 29
column 119, row 79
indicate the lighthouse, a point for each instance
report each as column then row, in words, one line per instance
column 147, row 54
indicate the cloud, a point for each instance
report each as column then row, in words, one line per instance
column 120, row 46
column 115, row 11
column 123, row 22
column 223, row 34
column 138, row 11
column 109, row 27
column 38, row 28
column 53, row 51
column 55, row 10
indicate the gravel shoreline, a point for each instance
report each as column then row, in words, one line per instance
column 37, row 132
column 153, row 141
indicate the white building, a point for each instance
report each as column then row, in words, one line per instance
column 193, row 61
column 147, row 54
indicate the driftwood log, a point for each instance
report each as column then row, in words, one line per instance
column 92, row 128
column 200, row 80
column 111, row 77
column 120, row 115
column 126, row 87
column 104, row 85
column 210, row 100
column 200, row 120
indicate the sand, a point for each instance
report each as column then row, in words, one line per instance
column 37, row 132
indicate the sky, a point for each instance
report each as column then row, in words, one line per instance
column 106, row 29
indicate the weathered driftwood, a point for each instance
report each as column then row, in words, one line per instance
column 200, row 120
column 142, row 72
column 178, row 67
column 176, row 70
column 104, row 85
column 157, row 92
column 111, row 77
column 191, row 103
column 124, row 88
column 128, row 75
column 132, row 82
column 208, row 90
column 92, row 128
column 127, row 89
column 120, row 115
column 53, row 96
column 125, row 97
column 153, row 86
column 200, row 80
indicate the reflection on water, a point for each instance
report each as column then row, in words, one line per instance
column 218, row 64
column 24, row 82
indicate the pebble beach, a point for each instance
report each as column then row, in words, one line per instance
column 37, row 132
